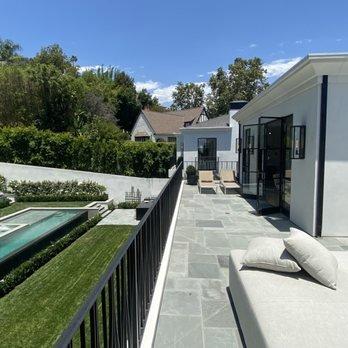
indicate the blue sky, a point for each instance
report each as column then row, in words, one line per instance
column 162, row 42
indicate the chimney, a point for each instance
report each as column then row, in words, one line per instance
column 235, row 106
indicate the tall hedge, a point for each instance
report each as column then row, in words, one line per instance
column 27, row 145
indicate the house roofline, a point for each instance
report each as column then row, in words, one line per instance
column 314, row 59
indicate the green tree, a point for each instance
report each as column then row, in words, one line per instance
column 127, row 107
column 243, row 80
column 54, row 55
column 147, row 101
column 59, row 95
column 188, row 95
column 8, row 50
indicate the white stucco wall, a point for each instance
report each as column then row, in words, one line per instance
column 142, row 126
column 224, row 142
column 335, row 216
column 303, row 104
column 116, row 185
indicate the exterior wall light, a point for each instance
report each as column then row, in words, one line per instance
column 298, row 142
column 237, row 148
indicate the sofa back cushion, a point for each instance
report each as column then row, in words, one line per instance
column 313, row 257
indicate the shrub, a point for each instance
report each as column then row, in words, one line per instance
column 27, row 268
column 61, row 198
column 2, row 184
column 191, row 170
column 55, row 190
column 4, row 202
column 27, row 145
column 127, row 205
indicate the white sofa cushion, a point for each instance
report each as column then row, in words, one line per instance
column 289, row 309
column 313, row 257
column 269, row 253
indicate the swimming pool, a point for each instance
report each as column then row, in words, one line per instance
column 27, row 232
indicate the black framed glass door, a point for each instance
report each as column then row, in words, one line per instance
column 250, row 160
column 266, row 166
column 207, row 159
column 270, row 166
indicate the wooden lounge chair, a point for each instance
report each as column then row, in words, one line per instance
column 206, row 180
column 228, row 180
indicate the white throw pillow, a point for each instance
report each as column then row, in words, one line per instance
column 269, row 253
column 313, row 257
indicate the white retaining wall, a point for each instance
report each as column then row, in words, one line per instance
column 116, row 185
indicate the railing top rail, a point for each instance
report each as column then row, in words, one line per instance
column 65, row 337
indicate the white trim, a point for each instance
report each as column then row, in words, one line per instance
column 152, row 319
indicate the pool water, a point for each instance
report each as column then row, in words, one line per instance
column 25, row 228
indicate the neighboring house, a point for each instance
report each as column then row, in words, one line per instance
column 165, row 126
column 294, row 156
column 211, row 145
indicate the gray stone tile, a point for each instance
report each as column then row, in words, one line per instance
column 184, row 284
column 202, row 258
column 223, row 260
column 209, row 223
column 220, row 338
column 203, row 270
column 181, row 303
column 179, row 331
column 217, row 314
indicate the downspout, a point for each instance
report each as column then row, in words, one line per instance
column 321, row 158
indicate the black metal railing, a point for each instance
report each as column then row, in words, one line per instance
column 217, row 165
column 115, row 312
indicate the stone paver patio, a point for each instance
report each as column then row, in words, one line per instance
column 120, row 217
column 196, row 311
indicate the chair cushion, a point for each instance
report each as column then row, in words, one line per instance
column 313, row 257
column 269, row 253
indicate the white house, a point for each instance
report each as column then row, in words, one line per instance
column 165, row 126
column 294, row 153
column 211, row 145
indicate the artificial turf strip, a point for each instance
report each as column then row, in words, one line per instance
column 22, row 205
column 36, row 312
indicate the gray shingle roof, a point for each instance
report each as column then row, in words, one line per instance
column 220, row 121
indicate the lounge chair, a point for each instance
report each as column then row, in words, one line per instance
column 227, row 180
column 206, row 180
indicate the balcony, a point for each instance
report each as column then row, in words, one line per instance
column 211, row 163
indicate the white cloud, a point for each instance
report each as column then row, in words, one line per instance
column 280, row 66
column 149, row 85
column 200, row 75
column 338, row 40
column 252, row 45
column 304, row 41
column 82, row 69
column 164, row 94
column 213, row 72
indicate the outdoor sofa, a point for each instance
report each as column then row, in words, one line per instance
column 289, row 310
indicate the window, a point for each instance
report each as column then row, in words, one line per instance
column 142, row 138
column 171, row 139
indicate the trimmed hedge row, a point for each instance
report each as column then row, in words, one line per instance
column 27, row 268
column 127, row 205
column 70, row 188
column 27, row 145
column 4, row 202
column 61, row 198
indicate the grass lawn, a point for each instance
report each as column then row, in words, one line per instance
column 38, row 310
column 22, row 205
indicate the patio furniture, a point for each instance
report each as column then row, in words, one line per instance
column 289, row 310
column 228, row 180
column 206, row 180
